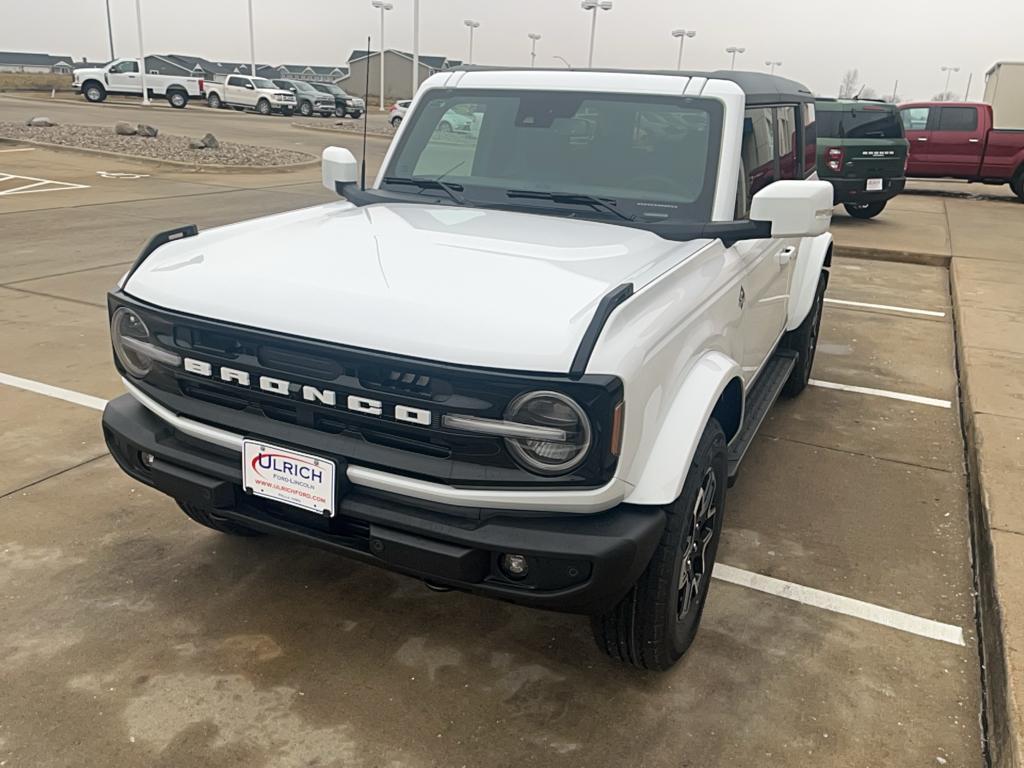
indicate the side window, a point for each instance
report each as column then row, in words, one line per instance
column 126, row 66
column 810, row 140
column 758, row 156
column 789, row 157
column 958, row 119
column 233, row 81
column 915, row 118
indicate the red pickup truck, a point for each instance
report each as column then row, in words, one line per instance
column 954, row 140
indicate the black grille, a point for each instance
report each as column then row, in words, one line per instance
column 375, row 440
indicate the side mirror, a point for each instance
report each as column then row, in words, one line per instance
column 339, row 166
column 794, row 208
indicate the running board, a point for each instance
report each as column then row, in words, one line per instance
column 759, row 400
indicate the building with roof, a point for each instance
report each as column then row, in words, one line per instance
column 38, row 63
column 398, row 66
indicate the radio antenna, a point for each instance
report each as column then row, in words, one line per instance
column 366, row 106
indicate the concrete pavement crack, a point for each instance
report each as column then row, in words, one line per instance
column 52, row 475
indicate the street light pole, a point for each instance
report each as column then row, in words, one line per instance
column 593, row 6
column 734, row 50
column 773, row 65
column 383, row 7
column 472, row 25
column 682, row 34
column 949, row 73
column 534, row 37
column 110, row 32
column 142, row 55
column 252, row 43
column 415, row 47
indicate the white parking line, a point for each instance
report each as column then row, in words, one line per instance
column 19, row 149
column 905, row 622
column 36, row 185
column 888, row 307
column 828, row 601
column 60, row 393
column 933, row 401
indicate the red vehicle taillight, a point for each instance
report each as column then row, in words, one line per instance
column 835, row 157
column 202, row 85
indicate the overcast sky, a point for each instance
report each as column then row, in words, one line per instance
column 817, row 40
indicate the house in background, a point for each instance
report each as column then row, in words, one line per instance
column 398, row 67
column 38, row 63
column 310, row 72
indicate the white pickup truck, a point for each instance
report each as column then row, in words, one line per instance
column 245, row 92
column 526, row 362
column 122, row 77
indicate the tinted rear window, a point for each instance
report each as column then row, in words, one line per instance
column 859, row 123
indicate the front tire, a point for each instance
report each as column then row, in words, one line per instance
column 396, row 121
column 305, row 109
column 207, row 518
column 263, row 107
column 804, row 341
column 655, row 623
column 94, row 92
column 865, row 210
column 355, row 115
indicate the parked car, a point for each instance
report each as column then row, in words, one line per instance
column 245, row 92
column 538, row 366
column 862, row 153
column 957, row 141
column 344, row 104
column 397, row 112
column 310, row 101
column 122, row 77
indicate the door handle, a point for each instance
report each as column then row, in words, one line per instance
column 922, row 138
column 974, row 141
column 786, row 254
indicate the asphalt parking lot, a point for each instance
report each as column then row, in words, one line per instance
column 840, row 631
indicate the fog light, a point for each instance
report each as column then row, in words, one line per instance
column 147, row 458
column 514, row 566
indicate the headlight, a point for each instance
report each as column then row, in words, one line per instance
column 133, row 345
column 554, row 411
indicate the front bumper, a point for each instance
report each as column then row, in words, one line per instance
column 853, row 190
column 578, row 563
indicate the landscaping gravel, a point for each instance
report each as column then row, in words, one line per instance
column 377, row 127
column 162, row 147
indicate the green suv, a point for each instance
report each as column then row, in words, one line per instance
column 862, row 151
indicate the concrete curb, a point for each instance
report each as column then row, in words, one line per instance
column 900, row 257
column 1003, row 715
column 175, row 164
column 353, row 134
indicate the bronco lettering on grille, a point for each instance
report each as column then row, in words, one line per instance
column 355, row 403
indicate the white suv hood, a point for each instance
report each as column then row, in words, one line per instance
column 487, row 288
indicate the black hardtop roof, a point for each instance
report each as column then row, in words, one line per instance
column 759, row 87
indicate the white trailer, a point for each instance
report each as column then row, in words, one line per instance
column 1004, row 90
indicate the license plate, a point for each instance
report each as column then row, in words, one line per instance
column 875, row 185
column 281, row 474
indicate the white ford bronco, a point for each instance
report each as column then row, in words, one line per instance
column 525, row 362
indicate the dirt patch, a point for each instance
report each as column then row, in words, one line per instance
column 24, row 81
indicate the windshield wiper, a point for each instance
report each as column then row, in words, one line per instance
column 570, row 198
column 452, row 190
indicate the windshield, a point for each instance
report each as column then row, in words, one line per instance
column 259, row 82
column 859, row 122
column 647, row 157
column 304, row 86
